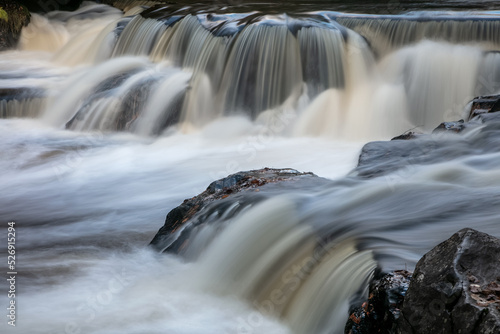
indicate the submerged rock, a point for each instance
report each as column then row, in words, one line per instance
column 180, row 221
column 455, row 288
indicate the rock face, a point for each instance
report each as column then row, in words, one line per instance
column 455, row 288
column 13, row 17
column 175, row 233
column 380, row 313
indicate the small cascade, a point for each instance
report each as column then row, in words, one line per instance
column 81, row 85
column 43, row 35
column 388, row 33
column 164, row 104
column 273, row 258
column 138, row 37
column 488, row 82
column 322, row 54
column 26, row 108
column 79, row 32
column 255, row 69
column 93, row 44
column 122, row 94
column 431, row 98
column 262, row 71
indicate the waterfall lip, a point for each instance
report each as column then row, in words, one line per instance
column 230, row 24
column 21, row 93
column 91, row 11
column 420, row 16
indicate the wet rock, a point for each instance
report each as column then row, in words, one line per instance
column 13, row 17
column 382, row 309
column 483, row 105
column 456, row 127
column 455, row 288
column 398, row 157
column 218, row 198
column 407, row 136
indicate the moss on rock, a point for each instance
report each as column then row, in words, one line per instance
column 3, row 15
column 13, row 17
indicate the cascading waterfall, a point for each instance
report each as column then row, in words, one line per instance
column 21, row 108
column 274, row 62
column 388, row 33
column 109, row 119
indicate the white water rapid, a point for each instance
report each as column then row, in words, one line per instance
column 110, row 119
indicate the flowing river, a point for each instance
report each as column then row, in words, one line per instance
column 111, row 118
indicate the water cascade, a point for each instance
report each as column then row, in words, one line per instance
column 274, row 63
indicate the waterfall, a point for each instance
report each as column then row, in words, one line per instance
column 388, row 33
column 29, row 107
column 276, row 262
column 273, row 62
column 110, row 119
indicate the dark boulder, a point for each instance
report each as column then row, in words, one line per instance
column 455, row 288
column 380, row 313
column 45, row 6
column 13, row 17
column 219, row 197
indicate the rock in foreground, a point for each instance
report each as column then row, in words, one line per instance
column 180, row 222
column 455, row 288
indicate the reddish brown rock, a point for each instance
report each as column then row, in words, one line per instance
column 175, row 233
column 483, row 105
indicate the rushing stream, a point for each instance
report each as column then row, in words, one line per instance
column 110, row 120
